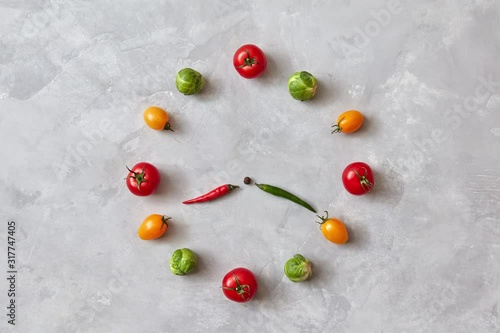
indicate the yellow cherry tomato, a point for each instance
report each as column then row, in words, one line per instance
column 153, row 226
column 333, row 229
column 157, row 118
column 348, row 122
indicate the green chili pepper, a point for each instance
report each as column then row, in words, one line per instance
column 284, row 194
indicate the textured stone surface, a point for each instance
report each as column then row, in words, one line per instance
column 75, row 77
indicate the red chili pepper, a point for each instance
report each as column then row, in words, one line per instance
column 214, row 194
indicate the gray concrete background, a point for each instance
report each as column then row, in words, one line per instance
column 75, row 77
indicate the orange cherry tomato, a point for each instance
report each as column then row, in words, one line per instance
column 157, row 119
column 348, row 122
column 333, row 229
column 153, row 226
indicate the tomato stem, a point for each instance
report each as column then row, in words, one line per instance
column 168, row 127
column 364, row 182
column 129, row 171
column 249, row 61
column 139, row 177
column 336, row 127
column 240, row 288
column 323, row 218
column 164, row 220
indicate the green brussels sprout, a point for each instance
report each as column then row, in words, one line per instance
column 183, row 262
column 298, row 268
column 189, row 82
column 302, row 86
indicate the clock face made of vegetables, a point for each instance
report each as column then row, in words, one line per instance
column 240, row 284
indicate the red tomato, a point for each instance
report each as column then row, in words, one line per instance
column 358, row 178
column 239, row 285
column 143, row 179
column 249, row 61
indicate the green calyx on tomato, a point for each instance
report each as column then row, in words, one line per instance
column 241, row 289
column 323, row 218
column 249, row 61
column 139, row 177
column 363, row 181
column 168, row 127
column 336, row 127
column 164, row 220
